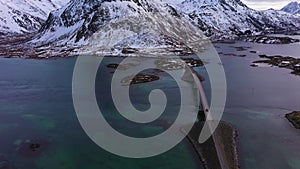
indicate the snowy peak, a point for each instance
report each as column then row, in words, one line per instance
column 22, row 16
column 231, row 18
column 293, row 8
column 79, row 20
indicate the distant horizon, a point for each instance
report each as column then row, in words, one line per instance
column 267, row 4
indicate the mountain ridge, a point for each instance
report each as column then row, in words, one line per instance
column 292, row 7
column 232, row 18
column 79, row 20
column 24, row 16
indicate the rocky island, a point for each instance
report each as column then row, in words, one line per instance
column 280, row 61
column 271, row 40
column 139, row 78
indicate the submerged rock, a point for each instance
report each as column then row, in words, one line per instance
column 241, row 48
column 32, row 148
column 4, row 163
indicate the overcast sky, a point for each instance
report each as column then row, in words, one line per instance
column 266, row 4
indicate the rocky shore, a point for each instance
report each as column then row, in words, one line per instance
column 294, row 118
column 280, row 61
column 161, row 65
column 270, row 39
column 264, row 39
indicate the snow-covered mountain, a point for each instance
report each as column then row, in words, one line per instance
column 293, row 8
column 120, row 27
column 80, row 19
column 21, row 16
column 231, row 18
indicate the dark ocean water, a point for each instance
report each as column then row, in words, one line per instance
column 258, row 99
column 36, row 104
column 37, row 107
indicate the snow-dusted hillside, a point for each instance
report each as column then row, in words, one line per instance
column 79, row 20
column 293, row 8
column 120, row 27
column 20, row 16
column 230, row 18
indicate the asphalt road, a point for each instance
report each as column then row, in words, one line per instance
column 206, row 108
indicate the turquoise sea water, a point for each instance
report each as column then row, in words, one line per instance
column 36, row 106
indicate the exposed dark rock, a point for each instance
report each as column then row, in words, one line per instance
column 271, row 40
column 294, row 118
column 32, row 148
column 113, row 65
column 128, row 50
column 282, row 62
column 252, row 51
column 139, row 78
column 254, row 65
column 233, row 54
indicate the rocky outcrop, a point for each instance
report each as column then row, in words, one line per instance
column 294, row 118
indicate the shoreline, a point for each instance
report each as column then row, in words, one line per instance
column 19, row 46
column 227, row 134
